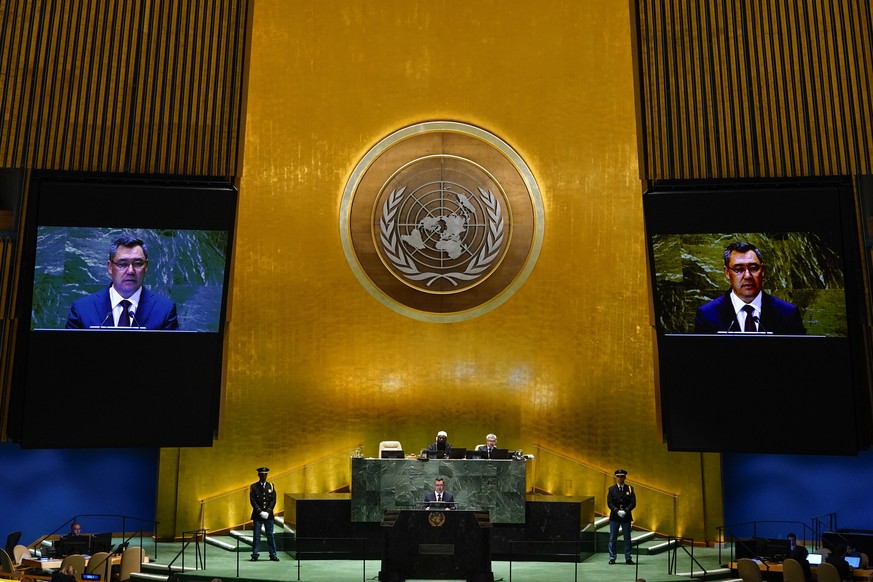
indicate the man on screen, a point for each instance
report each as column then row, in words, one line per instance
column 124, row 302
column 746, row 308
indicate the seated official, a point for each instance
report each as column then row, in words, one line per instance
column 75, row 530
column 439, row 494
column 799, row 553
column 125, row 302
column 489, row 446
column 438, row 448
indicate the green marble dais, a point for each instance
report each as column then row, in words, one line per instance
column 382, row 484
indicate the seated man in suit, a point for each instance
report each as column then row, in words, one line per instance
column 489, row 446
column 125, row 302
column 439, row 494
column 745, row 307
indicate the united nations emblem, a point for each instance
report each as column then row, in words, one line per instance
column 441, row 221
column 436, row 518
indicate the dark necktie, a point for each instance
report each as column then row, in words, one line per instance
column 750, row 321
column 124, row 318
column 439, row 496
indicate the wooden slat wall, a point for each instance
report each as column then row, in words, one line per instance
column 123, row 86
column 133, row 86
column 754, row 88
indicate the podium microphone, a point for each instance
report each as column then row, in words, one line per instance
column 108, row 315
column 133, row 321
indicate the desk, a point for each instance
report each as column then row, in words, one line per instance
column 857, row 574
column 55, row 563
column 379, row 485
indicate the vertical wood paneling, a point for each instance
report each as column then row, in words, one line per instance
column 145, row 86
column 754, row 88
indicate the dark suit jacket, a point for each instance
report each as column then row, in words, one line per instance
column 777, row 316
column 434, row 448
column 447, row 497
column 153, row 311
column 484, row 449
column 616, row 500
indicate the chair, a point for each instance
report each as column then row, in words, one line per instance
column 131, row 561
column 792, row 571
column 827, row 573
column 11, row 541
column 100, row 563
column 748, row 570
column 865, row 561
column 390, row 446
column 7, row 569
column 823, row 551
column 77, row 561
column 20, row 552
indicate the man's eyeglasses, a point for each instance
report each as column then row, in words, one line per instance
column 753, row 269
column 124, row 264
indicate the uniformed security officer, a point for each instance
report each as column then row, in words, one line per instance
column 621, row 500
column 262, row 496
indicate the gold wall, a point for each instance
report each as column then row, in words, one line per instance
column 315, row 365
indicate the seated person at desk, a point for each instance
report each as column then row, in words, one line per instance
column 837, row 558
column 439, row 494
column 489, row 446
column 438, row 448
column 75, row 530
column 799, row 553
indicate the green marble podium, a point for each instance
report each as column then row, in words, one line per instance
column 494, row 485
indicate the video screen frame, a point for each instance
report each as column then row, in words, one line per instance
column 172, row 379
column 752, row 392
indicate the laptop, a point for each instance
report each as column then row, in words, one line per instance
column 854, row 561
column 814, row 559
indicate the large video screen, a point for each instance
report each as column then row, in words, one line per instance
column 759, row 314
column 122, row 309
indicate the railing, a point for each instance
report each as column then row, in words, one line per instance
column 818, row 525
column 676, row 544
column 741, row 533
column 558, row 474
column 232, row 508
column 198, row 536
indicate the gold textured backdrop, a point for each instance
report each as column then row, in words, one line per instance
column 316, row 366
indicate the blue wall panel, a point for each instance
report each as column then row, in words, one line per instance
column 42, row 489
column 797, row 488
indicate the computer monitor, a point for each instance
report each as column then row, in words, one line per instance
column 498, row 454
column 101, row 542
column 391, row 454
column 457, row 453
column 70, row 545
column 814, row 559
